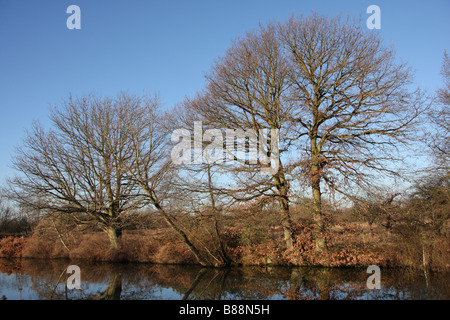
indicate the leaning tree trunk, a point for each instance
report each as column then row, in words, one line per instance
column 183, row 235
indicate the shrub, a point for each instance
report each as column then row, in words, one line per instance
column 170, row 253
column 267, row 253
column 92, row 246
column 304, row 251
column 12, row 247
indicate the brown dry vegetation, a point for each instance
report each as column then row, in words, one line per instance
column 12, row 247
column 154, row 246
column 251, row 237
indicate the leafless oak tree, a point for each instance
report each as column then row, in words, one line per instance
column 245, row 91
column 337, row 95
column 79, row 166
column 354, row 103
column 101, row 159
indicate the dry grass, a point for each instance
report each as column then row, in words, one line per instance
column 257, row 242
column 139, row 246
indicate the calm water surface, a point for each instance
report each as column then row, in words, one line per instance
column 31, row 279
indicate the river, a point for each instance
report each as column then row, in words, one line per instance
column 34, row 279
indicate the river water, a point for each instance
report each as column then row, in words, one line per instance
column 34, row 279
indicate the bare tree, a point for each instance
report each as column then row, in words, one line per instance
column 354, row 106
column 78, row 166
column 197, row 186
column 101, row 159
column 439, row 116
column 245, row 91
column 158, row 180
column 372, row 210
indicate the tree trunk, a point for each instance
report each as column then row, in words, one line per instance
column 183, row 235
column 115, row 235
column 318, row 217
column 286, row 222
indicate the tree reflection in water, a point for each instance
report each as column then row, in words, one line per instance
column 46, row 279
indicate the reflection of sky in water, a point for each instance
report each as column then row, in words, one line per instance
column 236, row 285
column 20, row 287
column 16, row 287
column 153, row 293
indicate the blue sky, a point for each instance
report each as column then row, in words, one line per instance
column 166, row 47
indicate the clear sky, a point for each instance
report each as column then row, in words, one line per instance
column 166, row 47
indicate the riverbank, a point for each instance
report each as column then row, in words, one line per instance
column 351, row 246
